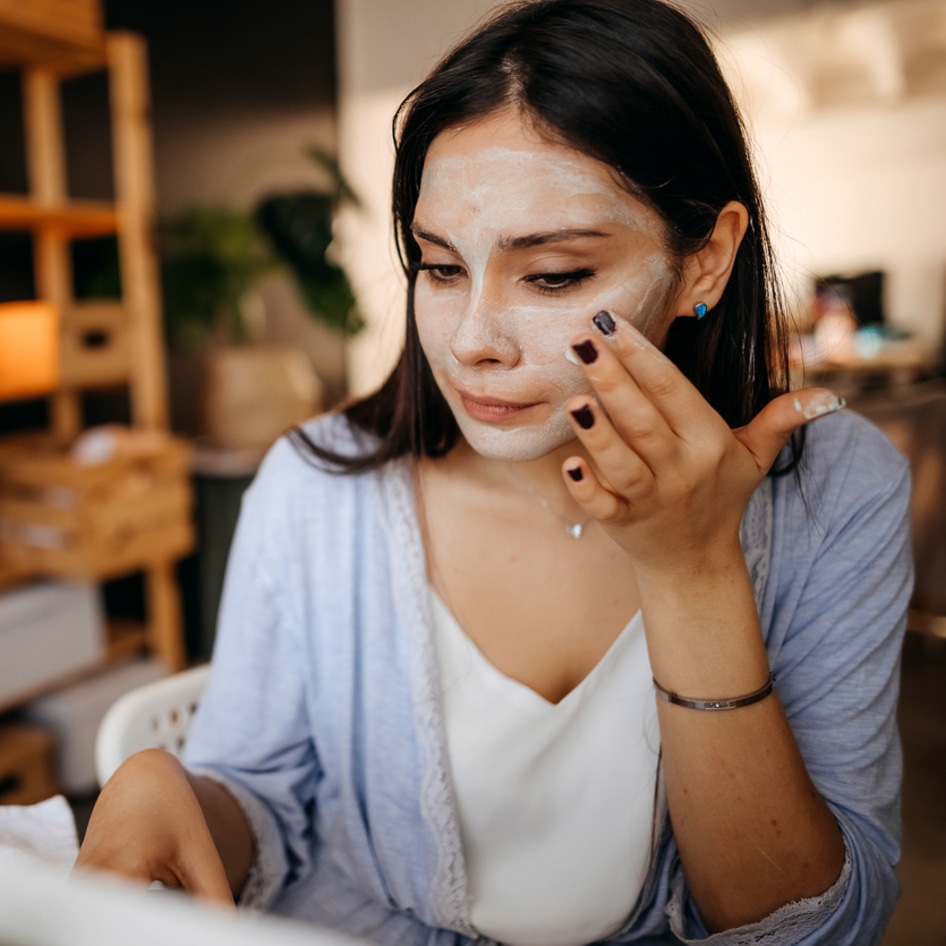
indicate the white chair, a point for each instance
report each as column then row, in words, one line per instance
column 154, row 716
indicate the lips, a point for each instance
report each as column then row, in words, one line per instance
column 482, row 407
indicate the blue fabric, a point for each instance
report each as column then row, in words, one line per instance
column 322, row 711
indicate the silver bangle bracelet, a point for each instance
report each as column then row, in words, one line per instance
column 725, row 704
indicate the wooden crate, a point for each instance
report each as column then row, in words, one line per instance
column 27, row 764
column 95, row 521
column 95, row 346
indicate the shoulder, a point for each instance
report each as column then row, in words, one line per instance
column 847, row 463
column 290, row 466
column 295, row 494
column 849, row 440
column 298, row 494
column 840, row 565
column 843, row 516
column 332, row 431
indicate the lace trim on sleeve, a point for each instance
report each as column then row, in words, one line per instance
column 266, row 872
column 755, row 535
column 787, row 925
column 448, row 887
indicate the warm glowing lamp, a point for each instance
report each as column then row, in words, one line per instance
column 29, row 349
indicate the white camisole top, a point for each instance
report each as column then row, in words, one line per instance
column 555, row 800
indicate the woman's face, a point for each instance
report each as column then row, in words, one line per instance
column 522, row 242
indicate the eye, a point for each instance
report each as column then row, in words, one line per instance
column 559, row 282
column 442, row 273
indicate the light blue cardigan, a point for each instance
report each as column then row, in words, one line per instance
column 322, row 714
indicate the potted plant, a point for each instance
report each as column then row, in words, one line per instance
column 212, row 259
column 298, row 226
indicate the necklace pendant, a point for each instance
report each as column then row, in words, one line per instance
column 575, row 530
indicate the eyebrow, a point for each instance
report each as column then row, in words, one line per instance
column 518, row 243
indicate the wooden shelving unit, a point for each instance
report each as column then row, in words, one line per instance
column 60, row 35
column 102, row 344
column 69, row 220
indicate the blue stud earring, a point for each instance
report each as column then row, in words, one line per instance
column 700, row 309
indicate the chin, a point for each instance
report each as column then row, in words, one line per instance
column 518, row 444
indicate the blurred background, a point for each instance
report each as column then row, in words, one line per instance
column 195, row 252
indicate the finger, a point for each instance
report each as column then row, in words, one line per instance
column 634, row 417
column 587, row 490
column 767, row 432
column 621, row 469
column 661, row 381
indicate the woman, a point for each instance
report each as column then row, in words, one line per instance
column 498, row 644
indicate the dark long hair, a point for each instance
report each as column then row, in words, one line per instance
column 634, row 84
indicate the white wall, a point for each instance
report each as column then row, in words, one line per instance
column 383, row 50
column 235, row 158
column 851, row 187
column 848, row 112
column 865, row 190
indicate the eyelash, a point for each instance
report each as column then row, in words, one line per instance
column 565, row 281
column 435, row 270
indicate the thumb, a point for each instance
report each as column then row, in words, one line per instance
column 767, row 432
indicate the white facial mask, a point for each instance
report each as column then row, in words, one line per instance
column 491, row 333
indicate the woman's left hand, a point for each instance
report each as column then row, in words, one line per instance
column 668, row 479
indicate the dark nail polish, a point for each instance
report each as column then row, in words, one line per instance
column 586, row 420
column 575, row 474
column 605, row 323
column 586, row 351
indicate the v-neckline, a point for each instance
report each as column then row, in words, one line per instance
column 515, row 685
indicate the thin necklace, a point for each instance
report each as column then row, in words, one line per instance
column 574, row 529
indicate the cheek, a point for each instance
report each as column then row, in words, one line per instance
column 436, row 321
column 545, row 336
column 641, row 297
column 550, row 345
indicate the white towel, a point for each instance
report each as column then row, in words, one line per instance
column 46, row 831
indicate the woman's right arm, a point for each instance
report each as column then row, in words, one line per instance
column 236, row 818
column 154, row 820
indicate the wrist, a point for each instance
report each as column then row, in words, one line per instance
column 703, row 633
column 716, row 703
column 694, row 579
column 691, row 559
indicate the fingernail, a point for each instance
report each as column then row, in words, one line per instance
column 826, row 402
column 605, row 323
column 575, row 473
column 586, row 351
column 584, row 417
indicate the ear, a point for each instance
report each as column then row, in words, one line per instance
column 706, row 272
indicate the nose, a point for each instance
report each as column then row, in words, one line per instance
column 485, row 334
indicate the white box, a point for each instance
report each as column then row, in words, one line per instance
column 47, row 630
column 74, row 715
